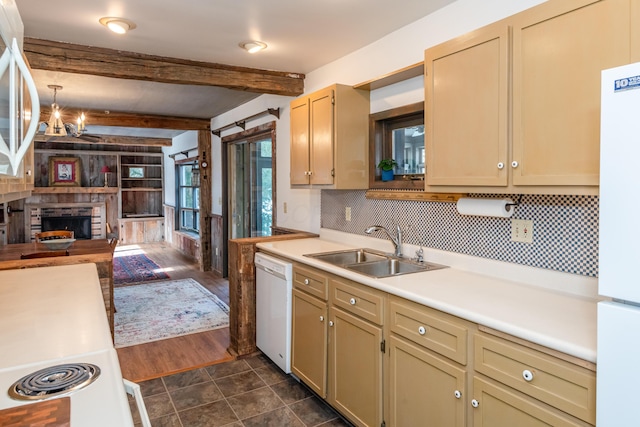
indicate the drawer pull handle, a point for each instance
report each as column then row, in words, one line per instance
column 457, row 394
column 422, row 330
column 352, row 301
column 527, row 375
column 306, row 281
column 475, row 403
column 322, row 318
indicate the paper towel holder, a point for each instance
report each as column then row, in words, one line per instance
column 517, row 203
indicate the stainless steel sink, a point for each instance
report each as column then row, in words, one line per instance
column 348, row 257
column 373, row 263
column 393, row 267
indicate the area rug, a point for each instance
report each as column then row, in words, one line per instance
column 159, row 310
column 135, row 268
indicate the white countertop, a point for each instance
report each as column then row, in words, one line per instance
column 557, row 319
column 51, row 312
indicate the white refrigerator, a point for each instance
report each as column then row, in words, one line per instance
column 618, row 360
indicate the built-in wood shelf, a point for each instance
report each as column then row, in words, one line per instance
column 74, row 190
column 397, row 76
column 413, row 195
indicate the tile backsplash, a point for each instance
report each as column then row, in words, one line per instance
column 565, row 228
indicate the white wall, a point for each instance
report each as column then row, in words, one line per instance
column 182, row 142
column 394, row 51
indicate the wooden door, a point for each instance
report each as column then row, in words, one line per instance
column 559, row 50
column 499, row 406
column 466, row 109
column 309, row 341
column 424, row 389
column 355, row 368
column 321, row 137
column 299, row 116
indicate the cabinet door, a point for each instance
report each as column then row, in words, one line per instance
column 355, row 367
column 499, row 406
column 299, row 115
column 559, row 49
column 321, row 135
column 153, row 231
column 309, row 341
column 424, row 389
column 466, row 109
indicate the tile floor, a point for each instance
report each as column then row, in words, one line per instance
column 247, row 392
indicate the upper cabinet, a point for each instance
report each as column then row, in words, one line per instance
column 515, row 106
column 329, row 139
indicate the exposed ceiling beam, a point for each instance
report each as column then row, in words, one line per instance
column 107, row 139
column 73, row 58
column 115, row 118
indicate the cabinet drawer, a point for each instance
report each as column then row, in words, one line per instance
column 561, row 384
column 311, row 281
column 430, row 328
column 357, row 299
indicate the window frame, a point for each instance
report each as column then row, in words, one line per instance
column 380, row 145
column 179, row 208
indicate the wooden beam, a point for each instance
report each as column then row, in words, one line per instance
column 108, row 139
column 115, row 118
column 79, row 59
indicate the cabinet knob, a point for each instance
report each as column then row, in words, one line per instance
column 352, row 301
column 422, row 330
column 457, row 394
column 500, row 165
column 322, row 318
column 306, row 281
column 514, row 164
column 527, row 375
column 330, row 322
column 310, row 173
column 475, row 403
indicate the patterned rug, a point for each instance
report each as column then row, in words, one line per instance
column 160, row 310
column 135, row 268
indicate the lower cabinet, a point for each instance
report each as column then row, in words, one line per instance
column 309, row 341
column 141, row 230
column 381, row 360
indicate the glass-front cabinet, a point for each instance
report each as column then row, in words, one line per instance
column 19, row 106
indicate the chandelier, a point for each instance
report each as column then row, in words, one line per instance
column 55, row 125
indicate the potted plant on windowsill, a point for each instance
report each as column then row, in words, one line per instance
column 386, row 166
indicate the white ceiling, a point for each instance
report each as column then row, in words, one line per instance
column 302, row 35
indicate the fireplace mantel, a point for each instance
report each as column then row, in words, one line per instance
column 74, row 190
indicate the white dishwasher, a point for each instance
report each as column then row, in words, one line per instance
column 273, row 309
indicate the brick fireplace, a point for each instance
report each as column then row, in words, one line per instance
column 87, row 220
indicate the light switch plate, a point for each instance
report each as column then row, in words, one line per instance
column 522, row 230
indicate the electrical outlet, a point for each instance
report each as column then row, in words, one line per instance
column 284, row 207
column 522, row 230
column 347, row 213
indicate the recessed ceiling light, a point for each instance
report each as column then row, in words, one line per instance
column 118, row 25
column 253, row 46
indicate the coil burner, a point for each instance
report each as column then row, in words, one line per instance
column 54, row 381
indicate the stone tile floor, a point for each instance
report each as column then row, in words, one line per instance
column 247, row 392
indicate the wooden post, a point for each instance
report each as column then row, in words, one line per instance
column 204, row 156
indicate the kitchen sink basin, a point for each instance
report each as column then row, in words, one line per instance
column 373, row 263
column 348, row 257
column 393, row 267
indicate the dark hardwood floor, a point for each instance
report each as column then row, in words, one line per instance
column 157, row 359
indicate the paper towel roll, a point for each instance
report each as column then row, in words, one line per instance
column 485, row 207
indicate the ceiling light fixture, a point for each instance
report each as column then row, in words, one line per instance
column 118, row 25
column 55, row 125
column 253, row 46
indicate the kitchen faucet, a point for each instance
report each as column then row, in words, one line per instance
column 397, row 241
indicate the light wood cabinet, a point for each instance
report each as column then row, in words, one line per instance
column 548, row 379
column 329, row 138
column 427, row 373
column 558, row 50
column 20, row 186
column 140, row 230
column 355, row 352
